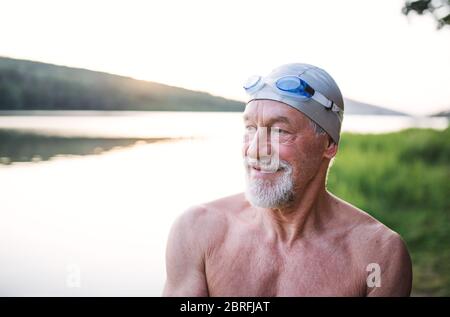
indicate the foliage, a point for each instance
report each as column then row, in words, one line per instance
column 402, row 179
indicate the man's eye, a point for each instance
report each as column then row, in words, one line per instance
column 250, row 128
column 280, row 131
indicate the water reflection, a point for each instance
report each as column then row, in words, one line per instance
column 23, row 146
column 109, row 215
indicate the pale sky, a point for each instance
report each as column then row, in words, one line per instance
column 375, row 54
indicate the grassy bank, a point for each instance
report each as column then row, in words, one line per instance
column 403, row 179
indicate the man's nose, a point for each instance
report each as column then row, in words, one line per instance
column 259, row 144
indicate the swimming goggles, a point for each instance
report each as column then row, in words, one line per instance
column 291, row 86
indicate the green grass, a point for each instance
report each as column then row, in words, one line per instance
column 403, row 180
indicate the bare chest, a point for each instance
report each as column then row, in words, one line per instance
column 254, row 268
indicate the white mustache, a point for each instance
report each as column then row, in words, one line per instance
column 266, row 165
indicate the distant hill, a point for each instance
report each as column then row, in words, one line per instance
column 445, row 113
column 28, row 85
column 355, row 107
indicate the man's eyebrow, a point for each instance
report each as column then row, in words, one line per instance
column 281, row 119
column 271, row 121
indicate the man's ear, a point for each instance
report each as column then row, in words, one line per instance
column 331, row 149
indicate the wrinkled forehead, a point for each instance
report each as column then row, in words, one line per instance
column 265, row 111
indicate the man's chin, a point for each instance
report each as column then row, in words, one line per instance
column 261, row 202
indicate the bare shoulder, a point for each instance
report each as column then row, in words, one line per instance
column 375, row 245
column 193, row 235
column 208, row 222
column 369, row 235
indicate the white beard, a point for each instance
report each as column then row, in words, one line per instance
column 269, row 193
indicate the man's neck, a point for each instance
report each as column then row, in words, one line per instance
column 303, row 216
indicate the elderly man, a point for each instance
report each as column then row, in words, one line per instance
column 286, row 235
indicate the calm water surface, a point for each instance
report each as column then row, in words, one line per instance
column 97, row 224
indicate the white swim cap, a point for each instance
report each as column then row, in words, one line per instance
column 326, row 105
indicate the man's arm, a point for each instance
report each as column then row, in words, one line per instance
column 396, row 268
column 185, row 257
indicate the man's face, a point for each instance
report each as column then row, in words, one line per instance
column 276, row 132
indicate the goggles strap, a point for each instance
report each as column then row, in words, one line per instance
column 327, row 103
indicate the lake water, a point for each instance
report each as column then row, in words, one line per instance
column 97, row 224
